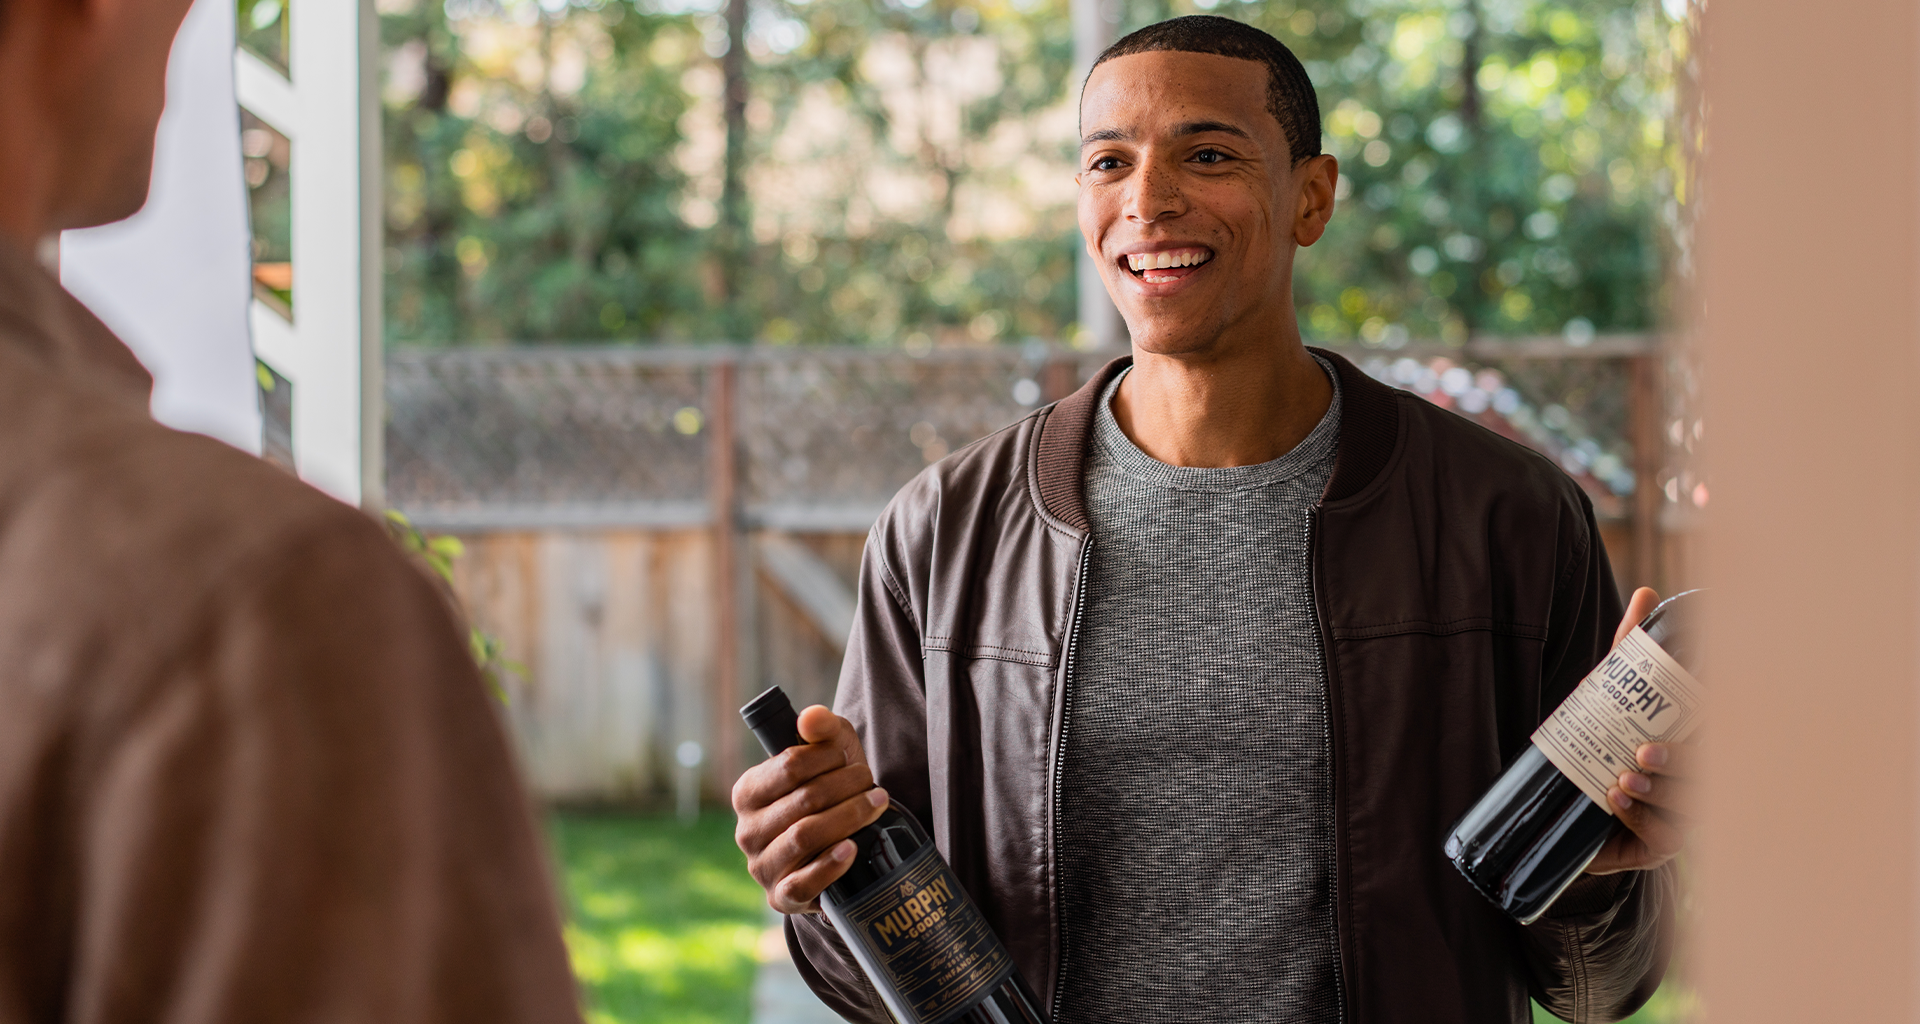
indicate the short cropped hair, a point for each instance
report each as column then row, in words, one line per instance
column 1290, row 95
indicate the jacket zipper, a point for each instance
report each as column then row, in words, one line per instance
column 1060, row 758
column 1333, row 762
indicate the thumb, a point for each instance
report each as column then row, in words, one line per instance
column 1639, row 606
column 818, row 724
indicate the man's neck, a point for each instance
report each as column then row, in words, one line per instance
column 1210, row 411
column 25, row 181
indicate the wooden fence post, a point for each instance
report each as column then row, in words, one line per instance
column 1645, row 412
column 1058, row 378
column 722, row 490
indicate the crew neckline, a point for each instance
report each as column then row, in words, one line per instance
column 1112, row 444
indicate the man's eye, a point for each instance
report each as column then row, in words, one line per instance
column 1106, row 163
column 1210, row 156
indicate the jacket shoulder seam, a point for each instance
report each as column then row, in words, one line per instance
column 1578, row 557
column 887, row 578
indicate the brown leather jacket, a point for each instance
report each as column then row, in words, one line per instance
column 1462, row 591
column 248, row 771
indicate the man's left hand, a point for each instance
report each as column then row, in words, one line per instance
column 1653, row 802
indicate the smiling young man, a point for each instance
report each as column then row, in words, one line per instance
column 1191, row 672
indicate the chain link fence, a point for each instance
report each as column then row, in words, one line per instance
column 536, row 438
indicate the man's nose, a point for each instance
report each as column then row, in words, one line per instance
column 1154, row 194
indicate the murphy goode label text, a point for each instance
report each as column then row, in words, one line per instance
column 927, row 940
column 1639, row 694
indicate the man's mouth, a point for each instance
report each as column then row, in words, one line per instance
column 1165, row 265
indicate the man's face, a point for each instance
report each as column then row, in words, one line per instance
column 1189, row 199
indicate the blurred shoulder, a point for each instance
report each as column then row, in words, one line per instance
column 113, row 520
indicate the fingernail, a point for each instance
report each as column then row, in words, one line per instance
column 1653, row 755
column 1621, row 800
column 1638, row 783
column 877, row 797
column 843, row 851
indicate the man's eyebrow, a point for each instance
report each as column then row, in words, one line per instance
column 1202, row 127
column 1179, row 131
column 1106, row 135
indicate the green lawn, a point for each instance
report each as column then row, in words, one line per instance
column 662, row 918
column 663, row 922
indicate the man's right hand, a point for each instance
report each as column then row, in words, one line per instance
column 798, row 807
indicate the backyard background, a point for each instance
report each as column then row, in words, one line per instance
column 678, row 292
column 667, row 926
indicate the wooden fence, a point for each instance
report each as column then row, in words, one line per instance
column 655, row 536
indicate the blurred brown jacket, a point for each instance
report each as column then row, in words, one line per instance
column 247, row 770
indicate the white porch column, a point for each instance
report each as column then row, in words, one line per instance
column 335, row 176
column 1096, row 25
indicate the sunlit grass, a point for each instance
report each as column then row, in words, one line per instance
column 662, row 918
column 663, row 922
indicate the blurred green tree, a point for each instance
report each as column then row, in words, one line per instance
column 945, row 213
column 555, row 172
column 1505, row 165
column 528, row 192
column 555, row 168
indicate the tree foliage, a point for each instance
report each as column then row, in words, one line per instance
column 553, row 168
column 1504, row 164
column 528, row 191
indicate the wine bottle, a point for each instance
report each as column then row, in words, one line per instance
column 903, row 914
column 1543, row 821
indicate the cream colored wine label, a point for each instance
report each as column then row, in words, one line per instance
column 1639, row 694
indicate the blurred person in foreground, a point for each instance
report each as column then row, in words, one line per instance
column 1190, row 673
column 247, row 769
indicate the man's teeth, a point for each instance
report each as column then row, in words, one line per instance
column 1163, row 260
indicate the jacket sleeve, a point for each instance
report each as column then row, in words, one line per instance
column 1602, row 950
column 882, row 692
column 310, row 813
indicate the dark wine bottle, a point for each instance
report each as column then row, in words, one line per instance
column 913, row 929
column 1543, row 821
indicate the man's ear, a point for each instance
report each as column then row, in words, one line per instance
column 1317, row 177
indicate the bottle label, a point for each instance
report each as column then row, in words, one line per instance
column 926, row 938
column 1639, row 694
